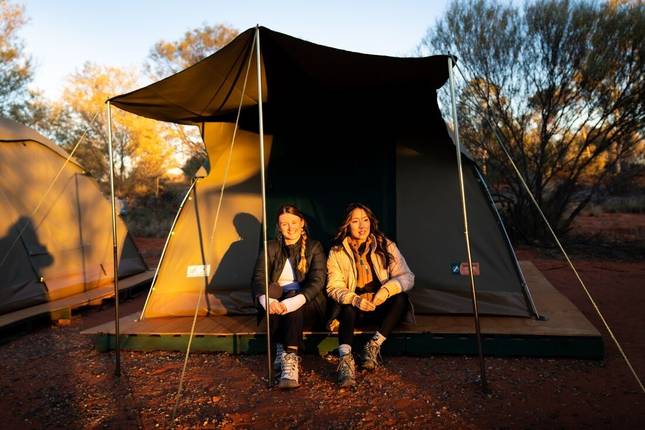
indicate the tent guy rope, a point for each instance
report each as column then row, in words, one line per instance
column 212, row 235
column 230, row 154
column 499, row 140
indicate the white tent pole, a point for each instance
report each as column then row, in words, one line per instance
column 465, row 216
column 165, row 247
column 264, row 204
column 117, row 347
column 525, row 287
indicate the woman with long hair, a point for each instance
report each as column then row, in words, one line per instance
column 296, row 280
column 368, row 277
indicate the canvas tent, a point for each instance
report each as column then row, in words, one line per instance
column 339, row 127
column 65, row 246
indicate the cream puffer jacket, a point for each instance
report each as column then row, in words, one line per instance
column 341, row 271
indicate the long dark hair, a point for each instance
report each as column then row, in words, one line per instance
column 381, row 240
column 293, row 210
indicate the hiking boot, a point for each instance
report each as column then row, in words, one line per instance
column 279, row 357
column 346, row 371
column 371, row 355
column 290, row 365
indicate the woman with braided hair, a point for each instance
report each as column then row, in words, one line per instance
column 296, row 280
column 368, row 277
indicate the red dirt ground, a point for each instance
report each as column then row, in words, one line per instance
column 51, row 377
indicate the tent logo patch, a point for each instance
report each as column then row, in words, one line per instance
column 454, row 268
column 198, row 271
column 461, row 268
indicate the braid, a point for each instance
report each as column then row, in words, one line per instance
column 291, row 209
column 302, row 264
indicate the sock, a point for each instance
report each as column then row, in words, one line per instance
column 344, row 349
column 292, row 350
column 379, row 338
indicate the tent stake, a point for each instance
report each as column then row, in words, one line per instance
column 264, row 206
column 465, row 215
column 115, row 257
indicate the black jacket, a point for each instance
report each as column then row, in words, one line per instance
column 311, row 284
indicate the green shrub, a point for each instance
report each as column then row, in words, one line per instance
column 152, row 216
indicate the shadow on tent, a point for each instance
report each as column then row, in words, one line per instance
column 23, row 257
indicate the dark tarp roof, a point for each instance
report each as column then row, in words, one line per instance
column 316, row 79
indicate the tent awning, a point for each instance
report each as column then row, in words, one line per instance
column 296, row 73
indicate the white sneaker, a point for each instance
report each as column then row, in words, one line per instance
column 290, row 367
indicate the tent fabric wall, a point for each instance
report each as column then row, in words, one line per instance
column 415, row 191
column 67, row 242
column 337, row 120
column 227, row 247
column 430, row 234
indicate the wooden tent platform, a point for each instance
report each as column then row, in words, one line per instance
column 565, row 332
column 61, row 309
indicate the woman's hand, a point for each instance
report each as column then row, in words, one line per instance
column 277, row 307
column 363, row 304
column 388, row 289
column 381, row 296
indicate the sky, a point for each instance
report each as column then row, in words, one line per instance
column 62, row 35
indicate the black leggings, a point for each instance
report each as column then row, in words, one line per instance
column 387, row 316
column 287, row 329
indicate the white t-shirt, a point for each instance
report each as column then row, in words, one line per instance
column 287, row 276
